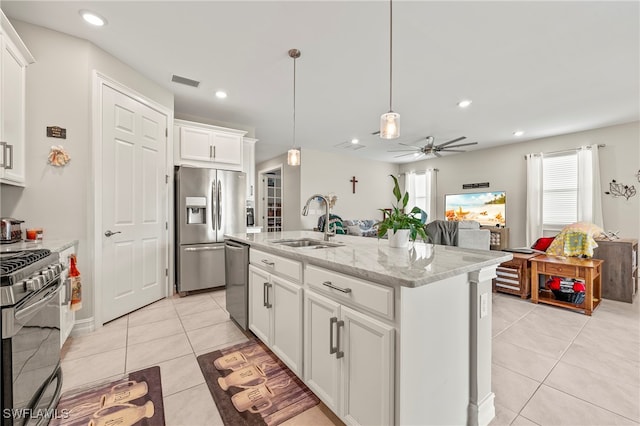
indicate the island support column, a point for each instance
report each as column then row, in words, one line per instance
column 481, row 409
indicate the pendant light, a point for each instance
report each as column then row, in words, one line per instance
column 390, row 121
column 293, row 156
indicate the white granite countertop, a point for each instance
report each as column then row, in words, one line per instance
column 56, row 245
column 374, row 260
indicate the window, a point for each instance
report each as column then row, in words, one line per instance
column 560, row 191
column 421, row 199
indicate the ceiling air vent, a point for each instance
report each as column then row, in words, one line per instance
column 349, row 145
column 185, row 81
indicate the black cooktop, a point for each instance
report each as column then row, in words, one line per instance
column 12, row 261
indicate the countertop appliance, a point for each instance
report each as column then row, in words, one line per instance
column 237, row 277
column 30, row 307
column 250, row 217
column 10, row 230
column 209, row 203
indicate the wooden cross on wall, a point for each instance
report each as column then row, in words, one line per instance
column 353, row 181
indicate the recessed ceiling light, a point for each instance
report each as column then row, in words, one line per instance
column 220, row 94
column 518, row 133
column 464, row 103
column 354, row 141
column 93, row 18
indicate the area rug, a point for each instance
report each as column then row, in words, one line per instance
column 251, row 386
column 136, row 399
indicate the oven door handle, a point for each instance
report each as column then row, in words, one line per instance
column 54, row 400
column 25, row 312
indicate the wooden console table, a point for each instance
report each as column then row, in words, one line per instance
column 513, row 276
column 588, row 270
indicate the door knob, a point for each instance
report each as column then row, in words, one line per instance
column 109, row 233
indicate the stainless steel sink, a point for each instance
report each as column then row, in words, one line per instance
column 306, row 243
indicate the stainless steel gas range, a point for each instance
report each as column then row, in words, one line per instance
column 31, row 375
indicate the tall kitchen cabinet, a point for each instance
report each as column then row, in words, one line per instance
column 13, row 64
column 349, row 354
column 275, row 305
column 249, row 167
column 204, row 145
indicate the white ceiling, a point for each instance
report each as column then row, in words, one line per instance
column 547, row 68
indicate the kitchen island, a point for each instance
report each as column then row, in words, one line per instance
column 382, row 335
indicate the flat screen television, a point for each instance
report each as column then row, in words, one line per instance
column 488, row 208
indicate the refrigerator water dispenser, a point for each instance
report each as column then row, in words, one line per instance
column 196, row 210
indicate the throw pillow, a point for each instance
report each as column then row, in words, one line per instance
column 543, row 243
column 354, row 230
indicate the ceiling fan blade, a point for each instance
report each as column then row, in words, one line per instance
column 376, row 132
column 451, row 150
column 452, row 141
column 412, row 146
column 404, row 150
column 436, row 154
column 462, row 144
column 402, row 155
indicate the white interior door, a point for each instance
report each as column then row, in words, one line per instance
column 134, row 204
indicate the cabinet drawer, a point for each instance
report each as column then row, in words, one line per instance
column 368, row 296
column 273, row 263
column 560, row 270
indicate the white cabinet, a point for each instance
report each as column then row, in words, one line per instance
column 13, row 63
column 203, row 145
column 275, row 314
column 249, row 167
column 67, row 316
column 349, row 361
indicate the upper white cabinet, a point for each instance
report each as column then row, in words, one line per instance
column 249, row 167
column 13, row 64
column 203, row 145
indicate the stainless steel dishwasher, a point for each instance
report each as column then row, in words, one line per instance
column 236, row 257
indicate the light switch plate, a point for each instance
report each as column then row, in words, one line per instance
column 484, row 305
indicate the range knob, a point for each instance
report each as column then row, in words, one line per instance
column 48, row 274
column 30, row 285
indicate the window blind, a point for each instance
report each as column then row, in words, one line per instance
column 560, row 190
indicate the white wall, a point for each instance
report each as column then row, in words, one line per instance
column 60, row 200
column 324, row 173
column 505, row 169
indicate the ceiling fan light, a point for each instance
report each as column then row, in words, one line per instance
column 390, row 125
column 464, row 103
column 293, row 157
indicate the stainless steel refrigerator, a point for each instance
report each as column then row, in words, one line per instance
column 209, row 203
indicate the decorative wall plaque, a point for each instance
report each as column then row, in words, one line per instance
column 56, row 132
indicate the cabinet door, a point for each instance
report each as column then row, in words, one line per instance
column 249, row 166
column 259, row 306
column 367, row 370
column 286, row 340
column 321, row 368
column 227, row 149
column 13, row 113
column 196, row 144
column 67, row 316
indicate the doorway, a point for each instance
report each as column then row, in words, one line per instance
column 271, row 199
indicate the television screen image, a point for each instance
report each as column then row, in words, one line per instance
column 488, row 208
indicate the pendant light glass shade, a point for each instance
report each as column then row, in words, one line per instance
column 293, row 157
column 390, row 125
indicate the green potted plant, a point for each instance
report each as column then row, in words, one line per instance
column 402, row 226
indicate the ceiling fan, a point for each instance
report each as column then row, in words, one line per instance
column 431, row 149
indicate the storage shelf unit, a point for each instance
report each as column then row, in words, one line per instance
column 513, row 276
column 273, row 194
column 499, row 237
column 620, row 269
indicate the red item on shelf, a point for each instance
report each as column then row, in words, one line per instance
column 578, row 287
column 554, row 283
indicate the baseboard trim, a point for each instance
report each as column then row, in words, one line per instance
column 83, row 326
column 483, row 413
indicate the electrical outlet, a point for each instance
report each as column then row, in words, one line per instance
column 484, row 305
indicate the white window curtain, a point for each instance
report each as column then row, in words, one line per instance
column 422, row 189
column 534, row 198
column 589, row 191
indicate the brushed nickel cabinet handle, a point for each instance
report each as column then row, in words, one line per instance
column 330, row 285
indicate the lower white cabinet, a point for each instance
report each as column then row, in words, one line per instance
column 275, row 315
column 349, row 361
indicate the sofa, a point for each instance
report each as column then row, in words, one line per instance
column 463, row 234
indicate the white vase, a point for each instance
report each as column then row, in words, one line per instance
column 399, row 239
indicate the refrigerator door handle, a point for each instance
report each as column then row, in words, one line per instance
column 206, row 248
column 214, row 205
column 219, row 205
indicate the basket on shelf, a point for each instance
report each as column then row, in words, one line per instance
column 576, row 297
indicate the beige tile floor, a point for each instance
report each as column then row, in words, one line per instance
column 550, row 366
